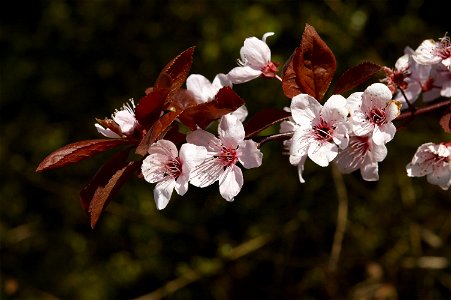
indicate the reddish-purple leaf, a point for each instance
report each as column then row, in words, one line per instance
column 263, row 119
column 157, row 131
column 75, row 152
column 355, row 76
column 311, row 68
column 226, row 101
column 175, row 72
column 150, row 106
column 445, row 122
column 290, row 83
column 95, row 197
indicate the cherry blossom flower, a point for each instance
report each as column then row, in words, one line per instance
column 222, row 157
column 170, row 169
column 203, row 89
column 124, row 118
column 320, row 131
column 434, row 161
column 372, row 112
column 439, row 83
column 408, row 76
column 362, row 153
column 255, row 61
column 431, row 52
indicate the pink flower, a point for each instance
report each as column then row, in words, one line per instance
column 320, row 131
column 433, row 161
column 223, row 154
column 362, row 153
column 255, row 61
column 124, row 118
column 372, row 112
column 169, row 169
column 203, row 89
column 431, row 52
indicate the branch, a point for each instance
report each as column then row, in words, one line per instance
column 423, row 110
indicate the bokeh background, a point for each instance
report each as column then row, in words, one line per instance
column 63, row 63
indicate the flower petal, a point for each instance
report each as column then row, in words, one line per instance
column 323, row 153
column 243, row 74
column 249, row 155
column 231, row 131
column 204, row 138
column 255, row 53
column 304, row 108
column 162, row 192
column 230, row 182
column 201, row 87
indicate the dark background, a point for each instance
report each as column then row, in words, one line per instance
column 63, row 63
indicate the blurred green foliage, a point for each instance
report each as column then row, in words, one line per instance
column 63, row 63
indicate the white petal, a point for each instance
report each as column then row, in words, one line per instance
column 204, row 138
column 106, row 131
column 201, row 87
column 255, row 53
column 220, row 81
column 370, row 170
column 126, row 120
column 322, row 154
column 243, row 74
column 376, row 95
column 191, row 156
column 249, row 155
column 152, row 169
column 164, row 148
column 441, row 177
column 334, row 110
column 231, row 131
column 162, row 193
column 301, row 168
column 231, row 182
column 304, row 108
column 354, row 102
column 384, row 133
column 240, row 113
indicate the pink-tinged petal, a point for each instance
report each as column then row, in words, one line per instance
column 221, row 80
column 341, row 135
column 191, row 156
column 354, row 102
column 201, row 87
column 403, row 62
column 240, row 113
column 379, row 152
column 243, row 74
column 425, row 53
column 360, row 125
column 322, row 154
column 151, row 169
column 162, row 192
column 230, row 182
column 441, row 176
column 304, row 108
column 249, row 155
column 392, row 111
column 376, row 95
column 334, row 110
column 255, row 53
column 231, row 131
column 126, row 120
column 207, row 172
column 164, row 148
column 299, row 144
column 106, row 132
column 204, row 138
column 384, row 133
column 370, row 170
column 301, row 168
column 181, row 184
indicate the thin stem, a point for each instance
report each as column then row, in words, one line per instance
column 423, row 110
column 409, row 105
column 275, row 137
column 342, row 216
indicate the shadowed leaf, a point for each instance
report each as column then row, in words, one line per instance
column 150, row 106
column 263, row 119
column 311, row 68
column 445, row 122
column 75, row 152
column 226, row 101
column 355, row 76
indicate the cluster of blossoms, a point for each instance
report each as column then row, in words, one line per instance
column 424, row 72
column 351, row 132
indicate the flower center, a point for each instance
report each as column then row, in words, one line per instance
column 228, row 156
column 174, row 168
column 377, row 116
column 269, row 70
column 444, row 48
column 323, row 131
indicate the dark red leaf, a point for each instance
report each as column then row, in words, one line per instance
column 157, row 131
column 445, row 122
column 150, row 106
column 106, row 183
column 226, row 101
column 75, row 152
column 311, row 68
column 356, row 76
column 263, row 119
column 175, row 72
